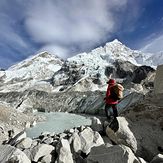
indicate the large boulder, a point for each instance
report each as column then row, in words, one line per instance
column 24, row 143
column 158, row 84
column 96, row 124
column 64, row 152
column 146, row 123
column 89, row 139
column 141, row 73
column 124, row 69
column 120, row 133
column 11, row 154
column 113, row 154
column 76, row 142
column 157, row 159
column 41, row 150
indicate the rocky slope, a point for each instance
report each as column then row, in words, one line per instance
column 13, row 120
column 135, row 137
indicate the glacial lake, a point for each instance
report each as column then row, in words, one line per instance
column 57, row 122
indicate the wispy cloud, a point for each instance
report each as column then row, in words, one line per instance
column 65, row 24
column 154, row 45
column 62, row 27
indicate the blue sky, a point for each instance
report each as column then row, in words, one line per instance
column 68, row 27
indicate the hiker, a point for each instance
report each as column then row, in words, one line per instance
column 113, row 94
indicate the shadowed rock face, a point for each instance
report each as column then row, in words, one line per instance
column 146, row 123
column 158, row 84
column 124, row 69
column 141, row 73
column 81, row 102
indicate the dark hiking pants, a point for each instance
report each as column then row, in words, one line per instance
column 110, row 112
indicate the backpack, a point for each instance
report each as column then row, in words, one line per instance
column 116, row 92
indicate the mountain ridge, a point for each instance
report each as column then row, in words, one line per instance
column 51, row 71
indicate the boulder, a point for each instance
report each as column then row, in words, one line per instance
column 96, row 124
column 122, row 134
column 41, row 150
column 97, row 140
column 76, row 142
column 64, row 152
column 19, row 156
column 157, row 159
column 140, row 73
column 89, row 138
column 46, row 159
column 146, row 124
column 113, row 154
column 124, row 69
column 158, row 84
column 24, row 143
column 11, row 154
column 142, row 160
column 86, row 137
column 17, row 138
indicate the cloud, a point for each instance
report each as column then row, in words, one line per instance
column 76, row 22
column 61, row 27
column 54, row 49
column 8, row 33
column 154, row 45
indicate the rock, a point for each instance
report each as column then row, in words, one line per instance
column 48, row 140
column 17, row 138
column 141, row 73
column 46, row 159
column 1, row 129
column 113, row 154
column 19, row 156
column 107, row 141
column 62, row 135
column 97, row 140
column 142, row 160
column 11, row 154
column 64, row 152
column 157, row 159
column 96, row 124
column 71, row 131
column 76, row 142
column 28, row 154
column 124, row 68
column 89, row 138
column 24, row 143
column 86, row 137
column 123, row 135
column 41, row 150
column 6, row 152
column 146, row 124
column 158, row 86
column 81, row 128
column 27, row 125
column 130, row 100
column 45, row 133
column 33, row 124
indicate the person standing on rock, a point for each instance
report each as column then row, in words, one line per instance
column 113, row 94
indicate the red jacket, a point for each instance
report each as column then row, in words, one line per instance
column 108, row 99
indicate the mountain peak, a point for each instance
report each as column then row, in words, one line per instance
column 44, row 54
column 114, row 43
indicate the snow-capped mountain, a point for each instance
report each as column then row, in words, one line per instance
column 48, row 72
column 38, row 67
column 31, row 72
